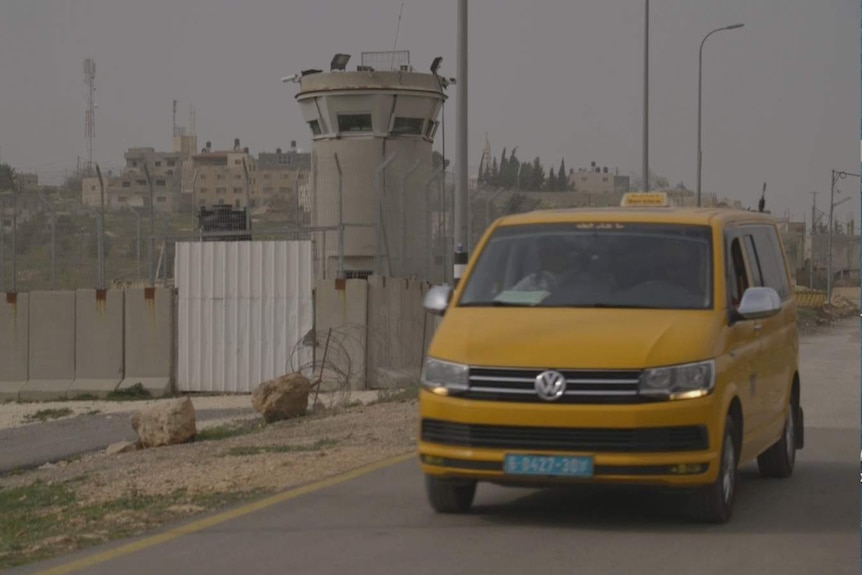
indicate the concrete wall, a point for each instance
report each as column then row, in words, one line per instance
column 341, row 315
column 378, row 330
column 399, row 331
column 99, row 341
column 149, row 339
column 52, row 345
column 14, row 342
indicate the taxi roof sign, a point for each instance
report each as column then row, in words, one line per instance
column 644, row 200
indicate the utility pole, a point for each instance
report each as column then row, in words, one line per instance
column 813, row 230
column 14, row 236
column 461, row 179
column 100, row 230
column 247, row 197
column 151, row 244
column 646, row 98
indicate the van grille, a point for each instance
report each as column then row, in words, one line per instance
column 582, row 386
column 642, row 440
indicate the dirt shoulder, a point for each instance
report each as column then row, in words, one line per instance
column 99, row 497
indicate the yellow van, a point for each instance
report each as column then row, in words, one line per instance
column 640, row 345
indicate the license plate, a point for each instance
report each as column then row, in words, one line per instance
column 557, row 465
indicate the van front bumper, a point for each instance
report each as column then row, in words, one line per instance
column 675, row 443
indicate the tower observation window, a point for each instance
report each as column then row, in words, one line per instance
column 411, row 126
column 354, row 122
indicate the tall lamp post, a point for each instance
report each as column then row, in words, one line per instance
column 700, row 100
column 836, row 175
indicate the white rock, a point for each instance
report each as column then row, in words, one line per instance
column 282, row 398
column 166, row 423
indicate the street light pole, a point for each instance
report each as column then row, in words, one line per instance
column 836, row 175
column 700, row 101
column 646, row 99
column 461, row 179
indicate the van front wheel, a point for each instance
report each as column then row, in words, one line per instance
column 714, row 503
column 779, row 459
column 449, row 496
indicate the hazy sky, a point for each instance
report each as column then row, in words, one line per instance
column 556, row 78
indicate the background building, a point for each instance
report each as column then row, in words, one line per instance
column 224, row 177
column 598, row 180
column 131, row 188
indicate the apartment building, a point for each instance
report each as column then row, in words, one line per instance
column 598, row 180
column 131, row 188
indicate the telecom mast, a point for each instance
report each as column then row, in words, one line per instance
column 90, row 116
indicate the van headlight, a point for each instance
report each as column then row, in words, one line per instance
column 445, row 378
column 678, row 381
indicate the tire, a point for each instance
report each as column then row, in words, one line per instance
column 714, row 503
column 778, row 461
column 448, row 496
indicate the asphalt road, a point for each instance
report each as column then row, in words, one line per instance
column 32, row 445
column 380, row 522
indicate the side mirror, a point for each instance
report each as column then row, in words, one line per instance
column 437, row 299
column 759, row 303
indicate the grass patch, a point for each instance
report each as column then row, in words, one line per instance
column 47, row 414
column 228, row 430
column 41, row 520
column 136, row 392
column 398, row 395
column 259, row 449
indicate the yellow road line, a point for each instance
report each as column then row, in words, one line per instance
column 221, row 517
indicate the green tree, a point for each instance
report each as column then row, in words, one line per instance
column 510, row 178
column 7, row 178
column 526, row 179
column 553, row 183
column 495, row 174
column 563, row 177
column 537, row 175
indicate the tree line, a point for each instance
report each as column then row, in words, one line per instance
column 512, row 172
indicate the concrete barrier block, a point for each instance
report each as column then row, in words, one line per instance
column 149, row 340
column 14, row 343
column 52, row 346
column 397, row 331
column 98, row 342
column 341, row 306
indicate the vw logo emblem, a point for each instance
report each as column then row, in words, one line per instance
column 550, row 385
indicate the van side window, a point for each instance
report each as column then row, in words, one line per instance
column 738, row 275
column 771, row 259
column 753, row 262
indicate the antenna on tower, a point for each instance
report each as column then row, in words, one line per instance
column 192, row 131
column 90, row 115
column 175, row 120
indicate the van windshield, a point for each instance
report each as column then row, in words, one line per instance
column 614, row 265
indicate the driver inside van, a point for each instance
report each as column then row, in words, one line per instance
column 553, row 260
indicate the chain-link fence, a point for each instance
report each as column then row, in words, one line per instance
column 363, row 216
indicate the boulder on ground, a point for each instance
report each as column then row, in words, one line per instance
column 282, row 398
column 166, row 423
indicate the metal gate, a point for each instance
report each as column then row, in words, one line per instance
column 243, row 311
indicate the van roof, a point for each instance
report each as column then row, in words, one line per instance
column 669, row 215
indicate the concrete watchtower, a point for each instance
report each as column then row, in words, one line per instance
column 379, row 120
